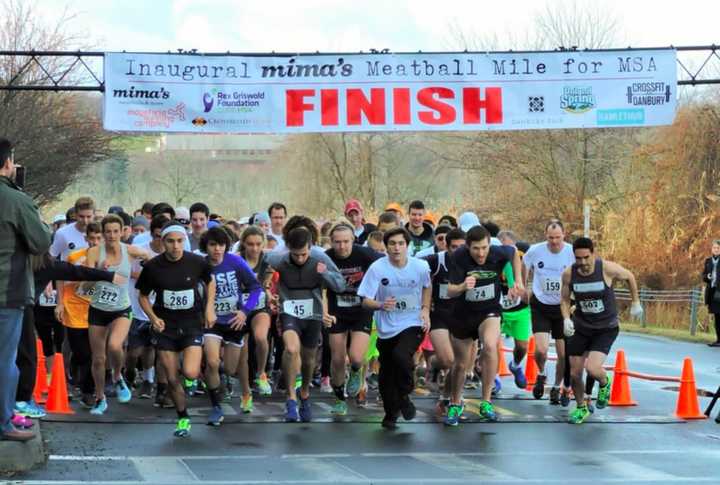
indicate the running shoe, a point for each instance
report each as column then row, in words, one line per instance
column 123, row 393
column 604, row 394
column 216, row 416
column 487, row 412
column 470, row 383
column 407, row 409
column 100, row 407
column 589, row 404
column 145, row 390
column 305, row 409
column 519, row 375
column 325, row 385
column 246, row 405
column 190, row 386
column 453, row 415
column 162, row 399
column 263, row 386
column 442, row 406
column 87, row 401
column 361, row 398
column 554, row 395
column 389, row 422
column 565, row 397
column 538, row 389
column 373, row 381
column 29, row 409
column 497, row 386
column 353, row 384
column 291, row 411
column 21, row 422
column 340, row 408
column 579, row 415
column 183, row 428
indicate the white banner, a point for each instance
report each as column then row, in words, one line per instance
column 389, row 92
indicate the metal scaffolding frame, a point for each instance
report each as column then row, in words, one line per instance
column 79, row 70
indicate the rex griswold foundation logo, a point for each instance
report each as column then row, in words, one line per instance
column 577, row 99
column 648, row 94
column 219, row 101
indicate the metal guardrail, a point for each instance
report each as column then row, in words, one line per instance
column 692, row 296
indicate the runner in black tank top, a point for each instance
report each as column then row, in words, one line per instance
column 594, row 325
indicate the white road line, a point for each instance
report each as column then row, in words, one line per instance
column 454, row 464
column 329, row 470
column 354, row 480
column 164, row 469
column 696, row 451
column 629, row 469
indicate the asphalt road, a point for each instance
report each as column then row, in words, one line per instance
column 531, row 443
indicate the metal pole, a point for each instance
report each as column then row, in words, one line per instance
column 693, row 311
column 643, row 319
column 586, row 219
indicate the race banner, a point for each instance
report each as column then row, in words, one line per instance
column 389, row 92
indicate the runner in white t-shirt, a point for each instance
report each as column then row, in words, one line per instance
column 72, row 237
column 399, row 290
column 546, row 261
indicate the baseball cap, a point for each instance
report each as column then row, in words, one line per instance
column 431, row 218
column 468, row 220
column 116, row 209
column 140, row 221
column 182, row 215
column 244, row 220
column 394, row 206
column 262, row 217
column 353, row 205
column 59, row 218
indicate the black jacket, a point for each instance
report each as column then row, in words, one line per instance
column 707, row 271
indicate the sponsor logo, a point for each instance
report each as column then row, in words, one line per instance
column 218, row 101
column 134, row 93
column 621, row 117
column 384, row 281
column 199, row 121
column 157, row 118
column 577, row 100
column 541, row 265
column 536, row 104
column 648, row 93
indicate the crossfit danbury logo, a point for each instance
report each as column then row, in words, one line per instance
column 577, row 100
column 648, row 94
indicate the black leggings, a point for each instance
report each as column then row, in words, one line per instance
column 326, row 360
column 81, row 359
column 396, row 368
column 717, row 327
column 26, row 357
column 50, row 332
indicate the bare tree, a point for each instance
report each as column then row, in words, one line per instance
column 57, row 135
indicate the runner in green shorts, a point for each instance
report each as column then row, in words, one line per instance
column 516, row 322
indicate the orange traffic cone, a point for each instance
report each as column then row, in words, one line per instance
column 41, row 386
column 531, row 370
column 620, row 394
column 687, row 405
column 57, row 401
column 503, row 370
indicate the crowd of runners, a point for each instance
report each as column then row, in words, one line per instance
column 190, row 302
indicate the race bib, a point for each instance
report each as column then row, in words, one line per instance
column 260, row 303
column 592, row 306
column 226, row 305
column 480, row 293
column 506, row 302
column 302, row 309
column 46, row 301
column 443, row 292
column 178, row 300
column 107, row 296
column 406, row 303
column 85, row 293
column 551, row 286
column 348, row 301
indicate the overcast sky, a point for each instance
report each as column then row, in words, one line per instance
column 325, row 25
